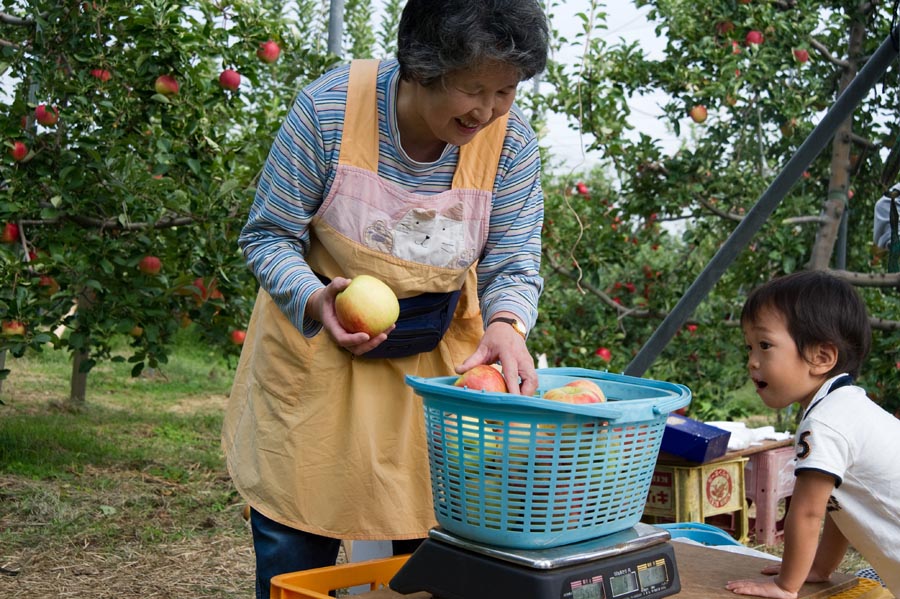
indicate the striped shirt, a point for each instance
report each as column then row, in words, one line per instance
column 300, row 170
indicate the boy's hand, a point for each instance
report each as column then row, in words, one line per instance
column 811, row 577
column 760, row 587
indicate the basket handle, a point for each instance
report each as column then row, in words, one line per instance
column 673, row 403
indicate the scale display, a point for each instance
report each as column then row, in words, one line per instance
column 648, row 579
column 448, row 571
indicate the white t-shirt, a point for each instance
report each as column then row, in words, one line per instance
column 848, row 436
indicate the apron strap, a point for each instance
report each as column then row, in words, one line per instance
column 359, row 140
column 478, row 159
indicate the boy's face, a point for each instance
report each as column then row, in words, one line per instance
column 781, row 375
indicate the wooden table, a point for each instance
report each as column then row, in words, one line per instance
column 703, row 572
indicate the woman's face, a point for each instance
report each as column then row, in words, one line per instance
column 455, row 110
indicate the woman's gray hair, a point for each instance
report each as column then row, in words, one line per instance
column 437, row 37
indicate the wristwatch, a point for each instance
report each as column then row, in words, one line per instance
column 514, row 323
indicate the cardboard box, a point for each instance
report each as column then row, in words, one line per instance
column 693, row 440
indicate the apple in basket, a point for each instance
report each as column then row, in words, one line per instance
column 577, row 391
column 483, row 377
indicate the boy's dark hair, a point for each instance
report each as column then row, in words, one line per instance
column 818, row 308
column 437, row 37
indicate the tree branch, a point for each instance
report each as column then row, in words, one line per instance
column 114, row 224
column 828, row 55
column 799, row 220
column 868, row 279
column 862, row 141
column 621, row 310
column 8, row 19
column 717, row 212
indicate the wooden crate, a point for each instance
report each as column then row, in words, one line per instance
column 699, row 493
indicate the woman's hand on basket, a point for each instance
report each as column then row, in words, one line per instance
column 321, row 307
column 501, row 343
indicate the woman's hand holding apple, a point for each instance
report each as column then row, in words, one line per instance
column 501, row 343
column 321, row 307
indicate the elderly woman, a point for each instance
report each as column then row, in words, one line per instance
column 421, row 172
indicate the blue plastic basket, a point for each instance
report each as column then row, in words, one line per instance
column 530, row 473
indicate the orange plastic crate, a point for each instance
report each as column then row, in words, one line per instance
column 316, row 583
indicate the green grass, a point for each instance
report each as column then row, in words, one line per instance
column 141, row 455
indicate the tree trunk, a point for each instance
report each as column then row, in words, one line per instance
column 839, row 183
column 78, row 382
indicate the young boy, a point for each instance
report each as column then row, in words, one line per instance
column 807, row 336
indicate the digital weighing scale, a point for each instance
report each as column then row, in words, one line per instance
column 637, row 562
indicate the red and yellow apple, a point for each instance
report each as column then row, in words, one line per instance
column 11, row 328
column 577, row 391
column 166, row 85
column 483, row 377
column 366, row 305
column 698, row 113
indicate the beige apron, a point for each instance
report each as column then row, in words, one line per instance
column 333, row 444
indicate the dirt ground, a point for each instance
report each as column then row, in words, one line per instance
column 219, row 566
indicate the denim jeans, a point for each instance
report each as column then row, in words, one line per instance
column 281, row 549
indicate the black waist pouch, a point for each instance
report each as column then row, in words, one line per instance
column 423, row 320
column 420, row 327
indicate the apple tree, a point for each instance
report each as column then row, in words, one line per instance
column 745, row 83
column 133, row 135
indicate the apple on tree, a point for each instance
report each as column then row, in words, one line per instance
column 10, row 233
column 11, row 328
column 230, row 79
column 366, row 305
column 582, row 188
column 48, row 284
column 801, row 55
column 166, row 85
column 483, row 377
column 237, row 337
column 46, row 115
column 268, row 51
column 150, row 265
column 754, row 38
column 698, row 113
column 101, row 74
column 19, row 151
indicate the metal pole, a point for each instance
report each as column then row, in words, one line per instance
column 843, row 107
column 336, row 27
